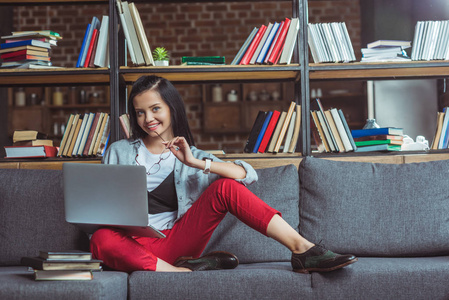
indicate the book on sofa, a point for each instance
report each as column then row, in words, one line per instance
column 62, row 265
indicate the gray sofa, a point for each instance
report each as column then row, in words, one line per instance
column 395, row 218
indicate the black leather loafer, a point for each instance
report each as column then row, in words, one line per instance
column 217, row 260
column 319, row 259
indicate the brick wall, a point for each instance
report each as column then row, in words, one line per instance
column 186, row 29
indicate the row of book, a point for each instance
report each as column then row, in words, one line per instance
column 430, row 41
column 138, row 46
column 274, row 131
column 330, row 42
column 85, row 135
column 30, row 143
column 28, row 49
column 94, row 51
column 269, row 44
column 386, row 50
column 62, row 265
column 332, row 133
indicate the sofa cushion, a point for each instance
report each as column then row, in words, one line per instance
column 247, row 281
column 32, row 215
column 399, row 278
column 279, row 188
column 376, row 209
column 19, row 283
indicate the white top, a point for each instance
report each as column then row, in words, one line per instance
column 163, row 220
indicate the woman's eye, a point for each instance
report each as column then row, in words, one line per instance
column 155, row 109
column 139, row 113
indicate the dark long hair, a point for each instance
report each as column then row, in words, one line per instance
column 171, row 97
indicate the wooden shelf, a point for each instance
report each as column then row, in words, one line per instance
column 63, row 76
column 209, row 74
column 396, row 70
column 47, row 2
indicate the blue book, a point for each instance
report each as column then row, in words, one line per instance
column 348, row 131
column 25, row 43
column 266, row 46
column 94, row 25
column 443, row 142
column 262, row 131
column 245, row 46
column 377, row 131
column 78, row 63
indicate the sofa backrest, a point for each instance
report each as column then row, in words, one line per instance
column 32, row 215
column 279, row 188
column 376, row 209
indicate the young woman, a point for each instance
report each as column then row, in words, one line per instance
column 189, row 193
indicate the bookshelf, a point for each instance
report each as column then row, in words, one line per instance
column 300, row 73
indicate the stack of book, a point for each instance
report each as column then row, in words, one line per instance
column 85, row 135
column 330, row 130
column 138, row 46
column 378, row 139
column 430, row 41
column 269, row 44
column 386, row 50
column 330, row 42
column 62, row 265
column 202, row 60
column 94, row 51
column 28, row 49
column 274, row 131
column 30, row 143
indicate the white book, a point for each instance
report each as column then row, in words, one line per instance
column 444, row 40
column 290, row 42
column 95, row 136
column 100, row 54
column 416, row 40
column 344, row 30
column 133, row 34
column 321, row 52
column 312, row 44
column 338, row 35
column 424, row 40
column 126, row 32
column 341, row 130
column 289, row 135
column 144, row 45
column 86, row 133
column 433, row 40
column 80, row 134
column 336, row 57
column 261, row 43
column 267, row 44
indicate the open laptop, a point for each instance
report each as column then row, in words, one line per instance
column 97, row 195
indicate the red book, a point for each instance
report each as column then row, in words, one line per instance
column 91, row 134
column 24, row 52
column 91, row 47
column 23, row 57
column 279, row 42
column 252, row 47
column 30, row 151
column 269, row 132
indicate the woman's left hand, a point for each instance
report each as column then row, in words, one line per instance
column 181, row 149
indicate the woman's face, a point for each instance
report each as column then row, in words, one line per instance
column 153, row 114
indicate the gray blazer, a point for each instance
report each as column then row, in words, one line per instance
column 190, row 183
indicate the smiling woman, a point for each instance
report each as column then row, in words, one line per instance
column 189, row 192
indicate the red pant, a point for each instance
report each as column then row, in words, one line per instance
column 189, row 235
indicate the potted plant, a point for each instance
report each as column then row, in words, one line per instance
column 160, row 56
